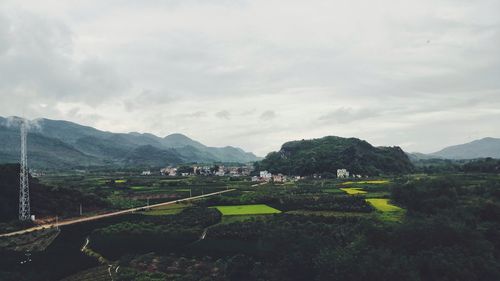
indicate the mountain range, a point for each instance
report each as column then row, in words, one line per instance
column 60, row 144
column 482, row 148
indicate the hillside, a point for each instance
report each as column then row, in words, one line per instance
column 486, row 147
column 55, row 144
column 326, row 155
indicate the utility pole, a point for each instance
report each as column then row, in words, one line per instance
column 81, row 209
column 24, row 190
column 57, row 222
column 190, row 192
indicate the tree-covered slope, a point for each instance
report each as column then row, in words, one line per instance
column 150, row 156
column 326, row 155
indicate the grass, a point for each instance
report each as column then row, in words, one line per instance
column 388, row 212
column 258, row 209
column 120, row 181
column 353, row 190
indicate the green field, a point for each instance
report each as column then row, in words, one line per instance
column 353, row 190
column 259, row 209
column 388, row 211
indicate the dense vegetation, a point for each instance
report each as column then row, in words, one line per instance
column 287, row 202
column 326, row 155
column 448, row 229
column 45, row 200
column 436, row 166
column 153, row 233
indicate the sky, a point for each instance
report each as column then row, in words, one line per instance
column 254, row 74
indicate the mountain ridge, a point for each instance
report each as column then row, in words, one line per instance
column 96, row 147
column 487, row 147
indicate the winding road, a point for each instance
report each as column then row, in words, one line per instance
column 112, row 214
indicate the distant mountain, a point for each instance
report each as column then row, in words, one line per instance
column 326, row 155
column 417, row 156
column 486, row 147
column 56, row 144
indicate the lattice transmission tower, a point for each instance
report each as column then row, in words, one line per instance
column 24, row 189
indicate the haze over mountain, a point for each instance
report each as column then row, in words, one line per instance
column 57, row 143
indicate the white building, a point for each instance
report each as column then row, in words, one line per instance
column 265, row 175
column 146, row 173
column 169, row 171
column 342, row 173
column 221, row 171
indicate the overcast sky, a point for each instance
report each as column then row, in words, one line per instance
column 419, row 74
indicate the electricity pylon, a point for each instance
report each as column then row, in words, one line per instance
column 24, row 190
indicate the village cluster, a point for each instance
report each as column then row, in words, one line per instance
column 238, row 171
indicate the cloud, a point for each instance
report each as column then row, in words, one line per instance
column 394, row 72
column 38, row 64
column 267, row 115
column 348, row 115
column 224, row 114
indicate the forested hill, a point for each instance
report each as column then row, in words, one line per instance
column 327, row 154
column 45, row 200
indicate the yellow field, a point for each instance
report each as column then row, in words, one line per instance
column 388, row 212
column 353, row 190
column 383, row 205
